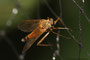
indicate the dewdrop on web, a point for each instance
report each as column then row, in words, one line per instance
column 15, row 11
column 83, row 1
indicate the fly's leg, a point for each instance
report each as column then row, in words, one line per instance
column 68, row 31
column 59, row 34
column 39, row 43
column 60, row 21
column 58, row 28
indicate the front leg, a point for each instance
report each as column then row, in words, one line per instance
column 59, row 34
column 59, row 28
column 60, row 21
column 39, row 43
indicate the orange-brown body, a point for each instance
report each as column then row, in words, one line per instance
column 35, row 34
column 38, row 27
column 32, row 37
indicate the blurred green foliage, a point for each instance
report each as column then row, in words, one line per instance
column 6, row 6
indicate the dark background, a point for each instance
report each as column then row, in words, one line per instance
column 10, row 36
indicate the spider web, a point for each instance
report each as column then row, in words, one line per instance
column 74, row 14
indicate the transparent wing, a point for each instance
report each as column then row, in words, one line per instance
column 29, row 25
column 33, row 36
column 28, row 45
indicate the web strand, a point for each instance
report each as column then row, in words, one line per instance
column 80, row 40
column 60, row 4
column 50, row 8
column 82, row 10
column 38, row 9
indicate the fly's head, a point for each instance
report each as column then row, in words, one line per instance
column 49, row 22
